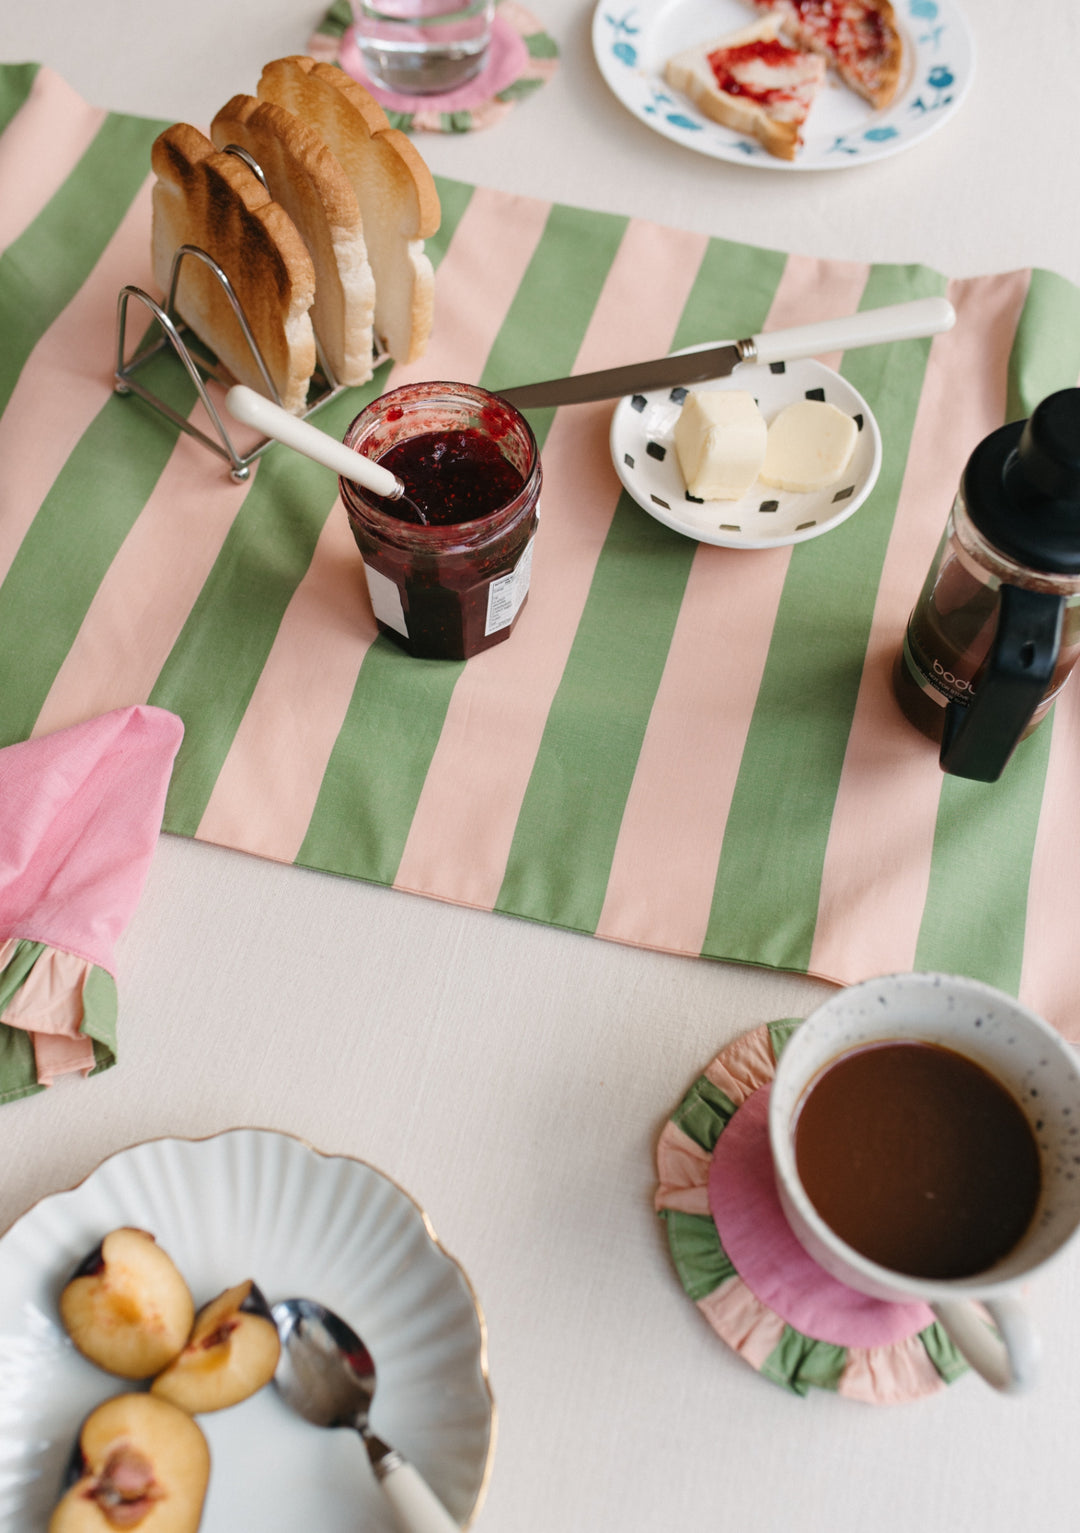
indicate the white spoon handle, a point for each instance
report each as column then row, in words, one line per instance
column 415, row 1504
column 254, row 410
column 896, row 322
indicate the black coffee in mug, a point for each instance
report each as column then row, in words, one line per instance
column 918, row 1158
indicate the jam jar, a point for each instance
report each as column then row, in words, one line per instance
column 448, row 564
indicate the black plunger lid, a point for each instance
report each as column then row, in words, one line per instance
column 1022, row 487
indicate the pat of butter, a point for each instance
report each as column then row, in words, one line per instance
column 720, row 441
column 809, row 446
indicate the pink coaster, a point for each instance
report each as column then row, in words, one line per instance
column 753, row 1231
column 506, row 60
column 522, row 59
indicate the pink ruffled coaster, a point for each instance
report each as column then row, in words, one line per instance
column 738, row 1260
column 80, row 815
column 522, row 58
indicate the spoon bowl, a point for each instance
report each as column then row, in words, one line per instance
column 327, row 1375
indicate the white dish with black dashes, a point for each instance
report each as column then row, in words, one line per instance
column 643, row 451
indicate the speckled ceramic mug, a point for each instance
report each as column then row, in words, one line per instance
column 1042, row 1073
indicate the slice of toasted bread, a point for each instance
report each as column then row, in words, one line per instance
column 217, row 202
column 398, row 201
column 751, row 82
column 307, row 180
column 859, row 38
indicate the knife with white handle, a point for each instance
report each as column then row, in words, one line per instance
column 897, row 322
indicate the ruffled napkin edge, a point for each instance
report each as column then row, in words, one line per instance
column 57, row 1016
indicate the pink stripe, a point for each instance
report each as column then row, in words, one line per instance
column 460, row 837
column 67, row 379
column 1048, row 978
column 877, row 863
column 663, row 874
column 39, row 149
column 310, row 674
column 149, row 589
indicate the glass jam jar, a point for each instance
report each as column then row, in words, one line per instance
column 454, row 584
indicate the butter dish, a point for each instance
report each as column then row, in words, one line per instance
column 643, row 452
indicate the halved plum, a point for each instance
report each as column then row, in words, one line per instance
column 232, row 1352
column 126, row 1307
column 139, row 1463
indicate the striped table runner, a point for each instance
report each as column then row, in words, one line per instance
column 687, row 748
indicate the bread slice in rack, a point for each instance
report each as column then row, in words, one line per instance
column 859, row 38
column 217, row 203
column 306, row 178
column 752, row 82
column 396, row 192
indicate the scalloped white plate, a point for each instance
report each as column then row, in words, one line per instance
column 253, row 1203
column 643, row 452
column 633, row 40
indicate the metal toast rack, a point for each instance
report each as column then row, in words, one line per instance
column 200, row 363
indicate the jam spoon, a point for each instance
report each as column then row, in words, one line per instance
column 326, row 1374
column 255, row 410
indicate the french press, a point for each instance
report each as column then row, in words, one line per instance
column 996, row 629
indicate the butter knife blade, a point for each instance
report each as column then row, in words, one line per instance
column 896, row 322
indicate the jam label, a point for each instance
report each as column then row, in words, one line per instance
column 506, row 594
column 385, row 600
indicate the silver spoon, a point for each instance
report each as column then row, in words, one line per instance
column 327, row 1375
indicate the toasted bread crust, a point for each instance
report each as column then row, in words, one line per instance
column 859, row 38
column 776, row 127
column 216, row 202
column 310, row 184
column 394, row 188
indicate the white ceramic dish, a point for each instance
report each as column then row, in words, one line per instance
column 643, row 451
column 633, row 39
column 252, row 1203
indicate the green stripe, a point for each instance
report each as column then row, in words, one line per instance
column 564, row 841
column 1045, row 355
column 766, row 896
column 43, row 269
column 89, row 510
column 397, row 710
column 16, row 83
column 984, row 840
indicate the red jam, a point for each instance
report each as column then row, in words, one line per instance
column 451, row 476
column 454, row 583
column 727, row 65
column 854, row 34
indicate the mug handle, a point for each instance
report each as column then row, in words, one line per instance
column 1009, row 1361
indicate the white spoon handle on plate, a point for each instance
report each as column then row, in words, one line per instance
column 254, row 410
column 897, row 322
column 415, row 1504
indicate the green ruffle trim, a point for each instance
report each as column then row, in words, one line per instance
column 703, row 1114
column 799, row 1363
column 18, row 1069
column 943, row 1352
column 700, row 1260
column 780, row 1033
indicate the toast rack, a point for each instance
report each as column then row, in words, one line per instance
column 199, row 362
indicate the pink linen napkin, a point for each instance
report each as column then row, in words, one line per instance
column 80, row 814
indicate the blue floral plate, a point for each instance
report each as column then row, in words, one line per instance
column 633, row 39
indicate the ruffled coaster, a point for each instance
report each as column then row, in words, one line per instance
column 737, row 1258
column 522, row 58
